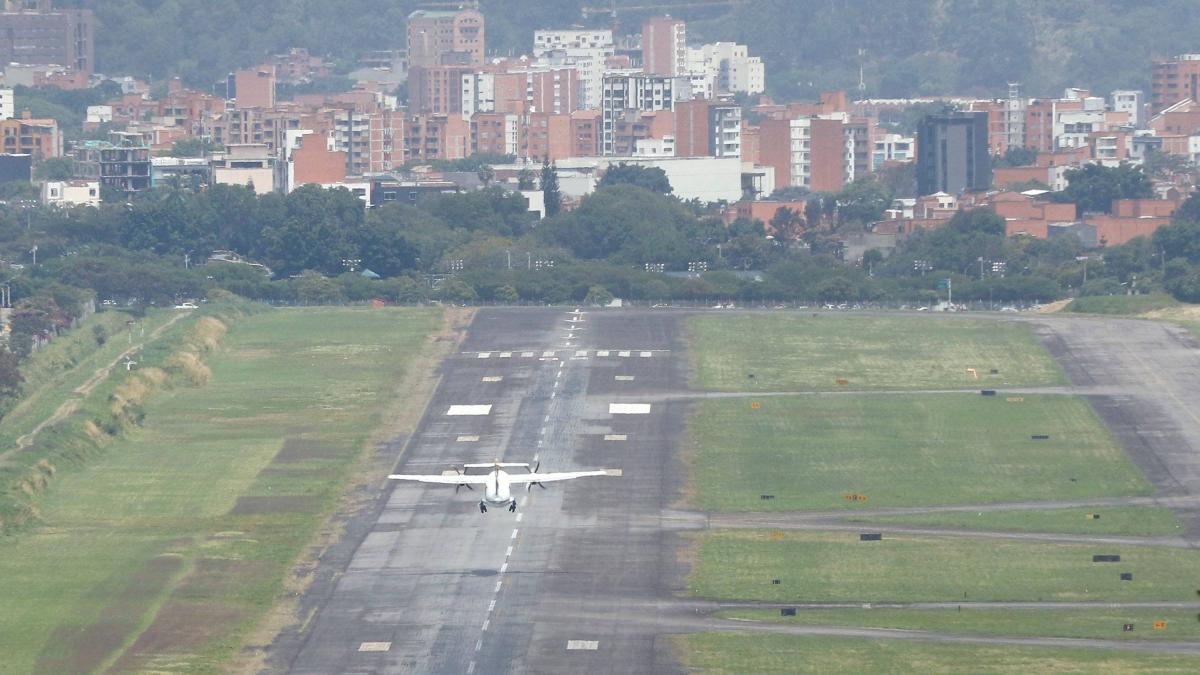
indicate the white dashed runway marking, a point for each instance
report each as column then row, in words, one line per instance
column 484, row 355
column 587, row 645
column 505, row 355
column 469, row 410
column 468, row 439
column 624, row 378
column 616, row 437
column 623, row 354
column 491, row 378
column 526, row 355
column 602, row 352
column 374, row 646
column 646, row 355
column 628, row 408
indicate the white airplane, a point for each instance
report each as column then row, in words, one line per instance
column 497, row 484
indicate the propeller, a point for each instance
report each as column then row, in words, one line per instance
column 462, row 485
column 529, row 486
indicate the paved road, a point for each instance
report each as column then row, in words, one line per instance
column 1151, row 373
column 443, row 589
column 594, row 564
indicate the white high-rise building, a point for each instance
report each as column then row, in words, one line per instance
column 585, row 50
column 8, row 108
column 728, row 66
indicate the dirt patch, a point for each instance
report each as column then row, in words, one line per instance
column 219, row 577
column 1052, row 307
column 255, row 505
column 302, row 449
column 81, row 648
column 178, row 627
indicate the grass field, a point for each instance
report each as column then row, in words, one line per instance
column 163, row 552
column 1128, row 520
column 902, row 450
column 835, row 566
column 1122, row 304
column 736, row 654
column 1100, row 622
column 797, row 352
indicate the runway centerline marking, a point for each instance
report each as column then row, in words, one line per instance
column 548, row 354
column 468, row 439
column 504, row 567
column 505, row 355
column 375, row 647
column 508, row 553
column 491, row 606
column 514, row 534
column 624, row 378
column 602, row 352
column 526, row 355
column 615, row 437
column 646, row 355
column 470, row 668
column 491, row 378
column 479, row 645
column 589, row 645
column 486, row 623
column 520, row 516
column 469, row 410
column 498, row 585
column 484, row 355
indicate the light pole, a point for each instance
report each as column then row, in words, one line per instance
column 508, row 256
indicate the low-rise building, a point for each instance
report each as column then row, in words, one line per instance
column 251, row 164
column 120, row 163
column 71, row 193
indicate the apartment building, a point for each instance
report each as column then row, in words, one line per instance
column 664, row 46
column 952, row 153
column 807, row 151
column 627, row 94
column 120, row 163
column 441, row 38
column 1174, row 80
column 39, row 138
column 586, row 51
column 36, row 33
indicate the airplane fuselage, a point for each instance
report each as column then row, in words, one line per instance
column 497, row 490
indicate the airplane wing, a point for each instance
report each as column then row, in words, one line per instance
column 448, row 478
column 567, row 475
column 502, row 465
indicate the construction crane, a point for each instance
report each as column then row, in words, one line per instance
column 613, row 8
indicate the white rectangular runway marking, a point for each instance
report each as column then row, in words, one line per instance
column 526, row 355
column 581, row 352
column 470, row 410
column 491, row 606
column 645, row 355
column 514, row 534
column 468, row 439
column 520, row 516
column 504, row 567
column 491, row 378
column 623, row 354
column 624, row 378
column 498, row 585
column 486, row 623
column 485, row 355
column 374, row 646
column 588, row 645
column 602, row 352
column 508, row 553
column 547, row 354
column 616, row 437
column 505, row 355
column 470, row 668
column 628, row 408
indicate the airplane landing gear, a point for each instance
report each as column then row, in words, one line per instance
column 512, row 506
column 482, row 507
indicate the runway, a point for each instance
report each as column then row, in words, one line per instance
column 436, row 587
column 584, row 577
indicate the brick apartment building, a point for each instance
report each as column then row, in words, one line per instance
column 440, row 38
column 1174, row 80
column 36, row 33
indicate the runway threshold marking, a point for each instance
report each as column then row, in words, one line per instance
column 628, row 408
column 456, row 410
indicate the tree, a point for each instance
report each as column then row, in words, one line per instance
column 55, row 168
column 862, row 202
column 1093, row 187
column 786, row 223
column 508, row 294
column 598, row 296
column 649, row 178
column 10, row 374
column 550, row 192
column 1016, row 156
column 486, row 175
column 526, row 180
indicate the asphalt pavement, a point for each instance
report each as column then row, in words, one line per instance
column 584, row 577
